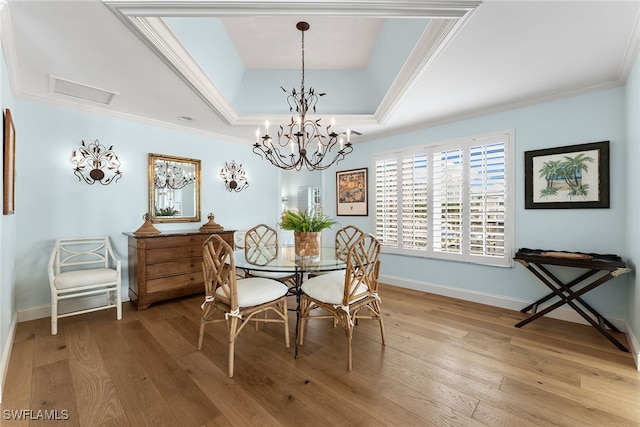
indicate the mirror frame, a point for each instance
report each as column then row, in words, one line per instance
column 151, row 172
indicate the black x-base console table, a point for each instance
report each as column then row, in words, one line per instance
column 609, row 266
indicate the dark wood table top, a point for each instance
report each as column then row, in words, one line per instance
column 571, row 259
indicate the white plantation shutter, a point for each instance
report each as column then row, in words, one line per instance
column 487, row 200
column 414, row 217
column 450, row 201
column 387, row 202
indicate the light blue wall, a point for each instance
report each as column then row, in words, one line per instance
column 7, row 236
column 52, row 202
column 632, row 116
column 593, row 117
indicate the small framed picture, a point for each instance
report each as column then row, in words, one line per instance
column 571, row 177
column 351, row 192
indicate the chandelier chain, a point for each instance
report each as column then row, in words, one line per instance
column 302, row 84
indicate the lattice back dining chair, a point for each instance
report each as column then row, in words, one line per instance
column 345, row 237
column 343, row 296
column 237, row 301
column 83, row 267
column 261, row 246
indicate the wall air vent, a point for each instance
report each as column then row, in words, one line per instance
column 78, row 90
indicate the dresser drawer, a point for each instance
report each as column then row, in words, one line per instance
column 173, row 268
column 178, row 253
column 175, row 241
column 175, row 282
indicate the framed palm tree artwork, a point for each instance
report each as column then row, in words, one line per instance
column 570, row 177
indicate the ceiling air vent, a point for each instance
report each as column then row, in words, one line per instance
column 78, row 90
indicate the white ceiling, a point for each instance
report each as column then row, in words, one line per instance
column 498, row 55
column 336, row 43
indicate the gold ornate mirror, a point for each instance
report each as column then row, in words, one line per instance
column 174, row 189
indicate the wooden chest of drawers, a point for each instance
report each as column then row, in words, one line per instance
column 167, row 265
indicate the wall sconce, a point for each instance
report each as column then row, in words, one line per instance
column 234, row 176
column 95, row 159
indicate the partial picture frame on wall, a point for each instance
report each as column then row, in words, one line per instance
column 569, row 177
column 9, row 165
column 351, row 192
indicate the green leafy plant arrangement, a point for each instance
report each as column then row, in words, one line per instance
column 166, row 212
column 305, row 221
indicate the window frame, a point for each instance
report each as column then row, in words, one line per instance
column 465, row 144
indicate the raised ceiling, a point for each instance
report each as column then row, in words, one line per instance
column 386, row 66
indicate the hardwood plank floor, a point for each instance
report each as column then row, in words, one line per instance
column 446, row 363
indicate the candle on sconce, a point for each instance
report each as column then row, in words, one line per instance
column 257, row 135
column 341, row 142
column 76, row 158
column 348, row 135
column 266, row 125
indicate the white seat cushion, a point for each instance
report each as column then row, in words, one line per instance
column 328, row 288
column 72, row 279
column 257, row 290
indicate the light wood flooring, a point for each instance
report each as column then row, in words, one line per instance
column 447, row 363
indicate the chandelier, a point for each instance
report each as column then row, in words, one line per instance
column 169, row 175
column 303, row 142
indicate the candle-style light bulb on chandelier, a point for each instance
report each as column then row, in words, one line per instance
column 303, row 142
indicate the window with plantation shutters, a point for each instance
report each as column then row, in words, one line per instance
column 451, row 201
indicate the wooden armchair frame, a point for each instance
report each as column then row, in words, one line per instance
column 359, row 291
column 224, row 297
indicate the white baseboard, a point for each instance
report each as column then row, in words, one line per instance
column 634, row 343
column 6, row 354
column 494, row 300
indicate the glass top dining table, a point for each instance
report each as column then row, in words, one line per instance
column 284, row 260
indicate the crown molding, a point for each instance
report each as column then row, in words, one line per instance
column 154, row 32
column 374, row 8
column 9, row 47
column 631, row 53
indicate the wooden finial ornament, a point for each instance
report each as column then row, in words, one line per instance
column 211, row 225
column 147, row 228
